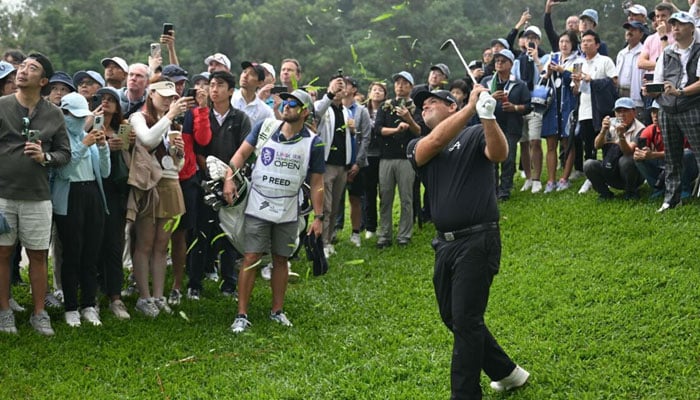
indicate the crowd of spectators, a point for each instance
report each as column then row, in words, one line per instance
column 114, row 159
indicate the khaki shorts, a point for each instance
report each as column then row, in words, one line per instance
column 262, row 237
column 532, row 127
column 30, row 222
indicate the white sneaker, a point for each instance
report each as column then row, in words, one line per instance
column 90, row 315
column 58, row 294
column 50, row 301
column 72, row 318
column 280, row 318
column 328, row 250
column 240, row 324
column 522, row 174
column 576, row 175
column 266, row 272
column 369, row 235
column 527, row 186
column 7, row 322
column 355, row 239
column 536, row 186
column 147, row 307
column 587, row 185
column 42, row 323
column 162, row 305
column 14, row 305
column 516, row 379
column 119, row 310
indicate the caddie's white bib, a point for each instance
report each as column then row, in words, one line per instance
column 279, row 172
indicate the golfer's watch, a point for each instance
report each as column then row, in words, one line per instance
column 47, row 159
column 320, row 217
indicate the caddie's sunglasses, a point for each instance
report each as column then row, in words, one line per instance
column 291, row 103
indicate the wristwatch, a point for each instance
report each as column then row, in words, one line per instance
column 47, row 159
column 320, row 217
column 680, row 92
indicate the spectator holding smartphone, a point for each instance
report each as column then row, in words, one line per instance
column 649, row 158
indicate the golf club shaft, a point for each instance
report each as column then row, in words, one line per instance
column 466, row 66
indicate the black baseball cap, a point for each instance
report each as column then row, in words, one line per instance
column 443, row 95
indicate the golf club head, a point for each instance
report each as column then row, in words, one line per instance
column 450, row 42
column 446, row 44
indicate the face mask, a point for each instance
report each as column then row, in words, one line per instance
column 74, row 125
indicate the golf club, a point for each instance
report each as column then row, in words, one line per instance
column 466, row 66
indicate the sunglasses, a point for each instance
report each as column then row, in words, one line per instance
column 291, row 103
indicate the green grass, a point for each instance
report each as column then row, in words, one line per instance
column 596, row 300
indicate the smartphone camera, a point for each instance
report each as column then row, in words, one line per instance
column 191, row 92
column 155, row 50
column 95, row 101
column 167, row 27
column 99, row 122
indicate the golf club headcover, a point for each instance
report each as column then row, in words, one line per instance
column 485, row 106
column 314, row 247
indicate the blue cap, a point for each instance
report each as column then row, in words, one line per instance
column 76, row 104
column 5, row 69
column 64, row 78
column 500, row 41
column 110, row 90
column 174, row 72
column 405, row 75
column 591, row 14
column 505, row 53
column 635, row 25
column 624, row 102
column 94, row 75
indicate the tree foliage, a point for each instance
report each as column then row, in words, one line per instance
column 368, row 39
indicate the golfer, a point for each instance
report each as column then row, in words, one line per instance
column 456, row 165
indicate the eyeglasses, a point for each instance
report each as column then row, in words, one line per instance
column 500, row 60
column 290, row 103
column 86, row 82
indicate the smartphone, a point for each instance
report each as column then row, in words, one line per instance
column 641, row 142
column 500, row 86
column 99, row 122
column 191, row 92
column 479, row 64
column 95, row 101
column 649, row 77
column 577, row 68
column 124, row 132
column 278, row 89
column 32, row 135
column 655, row 87
column 155, row 50
column 531, row 45
column 167, row 27
column 555, row 58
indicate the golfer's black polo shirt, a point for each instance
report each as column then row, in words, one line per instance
column 460, row 182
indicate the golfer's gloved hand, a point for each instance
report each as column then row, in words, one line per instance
column 485, row 106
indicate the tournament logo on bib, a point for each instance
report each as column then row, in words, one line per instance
column 267, row 155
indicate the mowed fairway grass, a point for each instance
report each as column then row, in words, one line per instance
column 596, row 300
